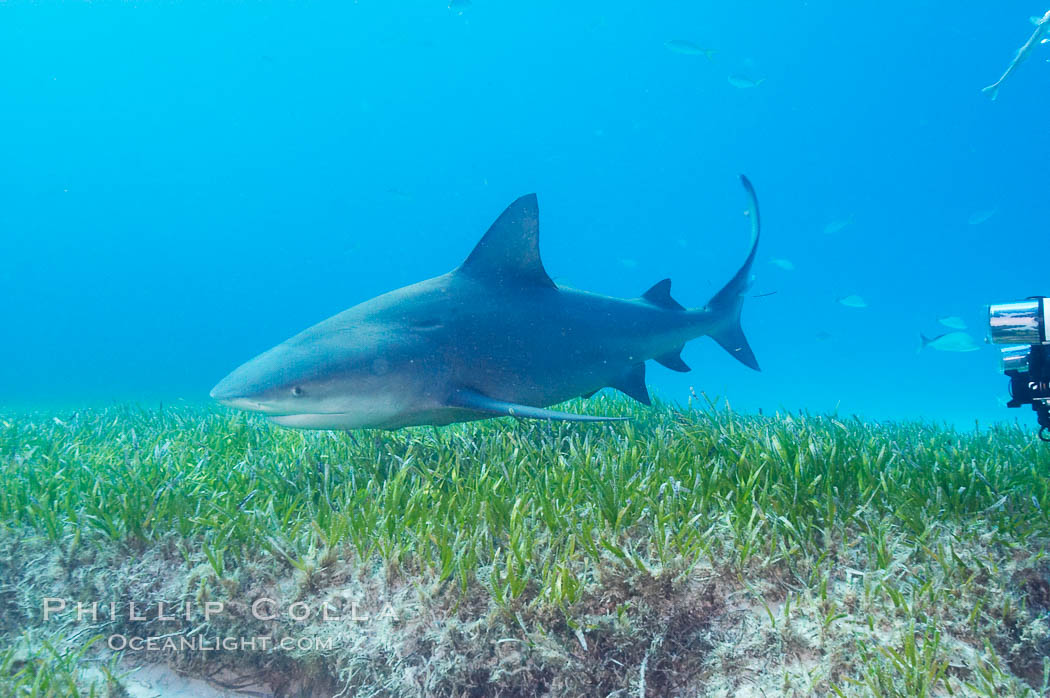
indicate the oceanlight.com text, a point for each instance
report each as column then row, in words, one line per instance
column 183, row 643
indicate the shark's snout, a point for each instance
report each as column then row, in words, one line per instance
column 232, row 387
column 280, row 381
column 235, row 391
column 226, row 396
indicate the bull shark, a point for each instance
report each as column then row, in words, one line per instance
column 494, row 337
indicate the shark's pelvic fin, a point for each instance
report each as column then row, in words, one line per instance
column 473, row 400
column 673, row 361
column 632, row 384
column 727, row 303
column 509, row 253
column 660, row 296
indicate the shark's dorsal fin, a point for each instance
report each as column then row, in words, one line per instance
column 509, row 253
column 673, row 360
column 473, row 400
column 660, row 296
column 632, row 384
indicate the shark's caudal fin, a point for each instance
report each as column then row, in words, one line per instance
column 727, row 303
column 992, row 91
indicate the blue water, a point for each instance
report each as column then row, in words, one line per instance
column 184, row 185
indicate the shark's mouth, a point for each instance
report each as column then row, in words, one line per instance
column 276, row 414
column 243, row 403
column 318, row 420
column 366, row 412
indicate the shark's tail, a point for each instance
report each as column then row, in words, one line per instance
column 727, row 303
column 992, row 91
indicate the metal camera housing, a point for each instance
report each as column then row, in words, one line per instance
column 1024, row 325
column 1022, row 322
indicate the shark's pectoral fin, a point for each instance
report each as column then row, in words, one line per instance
column 632, row 384
column 660, row 296
column 673, row 361
column 473, row 400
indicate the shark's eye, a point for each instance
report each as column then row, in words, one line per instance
column 298, row 391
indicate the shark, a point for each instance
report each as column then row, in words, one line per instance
column 1042, row 31
column 493, row 337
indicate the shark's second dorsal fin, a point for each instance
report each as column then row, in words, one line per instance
column 509, row 253
column 660, row 296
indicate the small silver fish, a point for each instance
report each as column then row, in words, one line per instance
column 949, row 341
column 785, row 264
column 853, row 301
column 744, row 82
column 953, row 321
column 688, row 48
column 838, row 225
column 1042, row 26
column 978, row 217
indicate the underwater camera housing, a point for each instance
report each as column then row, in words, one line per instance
column 1025, row 324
